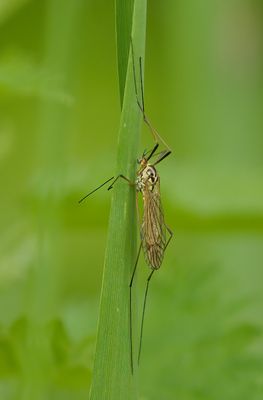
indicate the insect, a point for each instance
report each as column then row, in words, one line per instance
column 153, row 230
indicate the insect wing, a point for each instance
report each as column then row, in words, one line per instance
column 153, row 231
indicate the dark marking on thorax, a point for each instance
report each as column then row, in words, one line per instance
column 147, row 178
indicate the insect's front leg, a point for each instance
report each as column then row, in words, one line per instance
column 123, row 177
column 153, row 151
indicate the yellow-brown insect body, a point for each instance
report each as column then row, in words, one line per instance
column 153, row 230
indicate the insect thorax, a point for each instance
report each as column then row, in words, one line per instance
column 146, row 178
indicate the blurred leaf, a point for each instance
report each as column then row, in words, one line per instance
column 241, row 336
column 73, row 361
column 77, row 377
column 25, row 78
column 208, row 329
column 8, row 363
column 215, row 190
column 60, row 342
column 19, row 330
column 67, row 351
column 17, row 257
column 9, row 7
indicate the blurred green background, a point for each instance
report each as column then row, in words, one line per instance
column 59, row 116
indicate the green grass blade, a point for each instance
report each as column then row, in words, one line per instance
column 123, row 21
column 112, row 378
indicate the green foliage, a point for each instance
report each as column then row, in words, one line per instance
column 59, row 113
column 9, row 7
column 23, row 78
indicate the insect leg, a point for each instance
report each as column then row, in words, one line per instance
column 134, row 75
column 152, row 151
column 141, row 105
column 120, row 176
column 83, row 198
column 171, row 235
column 163, row 155
column 143, row 313
column 110, row 187
column 130, row 308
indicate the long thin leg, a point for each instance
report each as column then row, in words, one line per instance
column 83, row 198
column 137, row 211
column 141, row 84
column 143, row 313
column 110, row 187
column 171, row 235
column 141, row 105
column 134, row 72
column 146, row 293
column 120, row 176
column 153, row 151
column 130, row 308
column 154, row 132
column 163, row 155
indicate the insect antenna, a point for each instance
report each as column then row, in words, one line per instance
column 143, row 313
column 83, row 198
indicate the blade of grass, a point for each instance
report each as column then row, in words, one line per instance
column 112, row 378
column 123, row 21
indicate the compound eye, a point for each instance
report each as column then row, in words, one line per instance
column 148, row 171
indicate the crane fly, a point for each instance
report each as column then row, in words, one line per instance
column 153, row 230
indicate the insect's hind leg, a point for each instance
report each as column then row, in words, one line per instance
column 146, row 293
column 143, row 313
column 130, row 306
column 171, row 235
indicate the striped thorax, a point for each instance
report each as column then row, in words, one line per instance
column 147, row 177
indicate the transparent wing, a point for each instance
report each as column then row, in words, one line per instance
column 153, row 230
